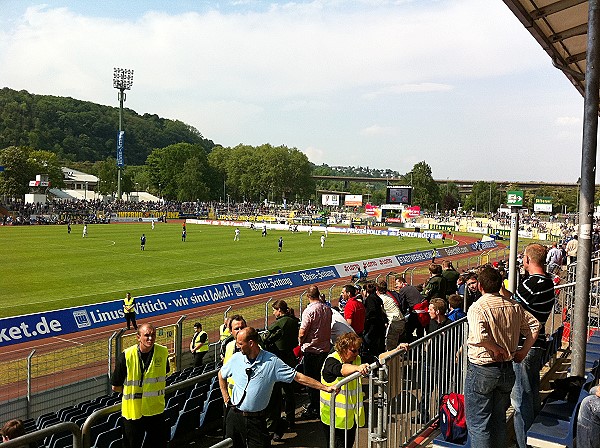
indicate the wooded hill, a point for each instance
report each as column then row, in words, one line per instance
column 84, row 131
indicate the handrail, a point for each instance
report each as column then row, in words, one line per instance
column 112, row 338
column 331, row 292
column 29, row 376
column 179, row 343
column 267, row 312
column 300, row 303
column 89, row 422
column 25, row 440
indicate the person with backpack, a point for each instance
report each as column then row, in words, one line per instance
column 414, row 307
column 396, row 325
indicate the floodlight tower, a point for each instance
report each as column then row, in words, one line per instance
column 122, row 80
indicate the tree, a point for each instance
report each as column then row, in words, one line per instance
column 171, row 174
column 484, row 197
column 450, row 196
column 191, row 186
column 426, row 192
column 107, row 176
column 256, row 173
column 22, row 164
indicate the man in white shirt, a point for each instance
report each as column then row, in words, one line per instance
column 396, row 325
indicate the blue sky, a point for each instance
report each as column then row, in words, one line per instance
column 459, row 84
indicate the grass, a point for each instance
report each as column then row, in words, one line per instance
column 44, row 268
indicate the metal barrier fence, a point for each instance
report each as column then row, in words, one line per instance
column 63, row 373
column 80, row 437
column 404, row 392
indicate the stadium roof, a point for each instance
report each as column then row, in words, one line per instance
column 560, row 27
column 71, row 175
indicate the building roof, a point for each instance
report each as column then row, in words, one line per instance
column 71, row 175
column 560, row 27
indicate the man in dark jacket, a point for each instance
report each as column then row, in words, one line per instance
column 436, row 285
column 451, row 275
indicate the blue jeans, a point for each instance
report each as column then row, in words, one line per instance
column 588, row 422
column 487, row 397
column 525, row 396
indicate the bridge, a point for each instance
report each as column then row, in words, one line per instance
column 464, row 186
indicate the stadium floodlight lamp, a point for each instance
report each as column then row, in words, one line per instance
column 122, row 78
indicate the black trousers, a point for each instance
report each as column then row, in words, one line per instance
column 247, row 432
column 153, row 428
column 343, row 438
column 198, row 357
column 130, row 318
column 313, row 363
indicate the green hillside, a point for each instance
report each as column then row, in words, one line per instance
column 84, row 131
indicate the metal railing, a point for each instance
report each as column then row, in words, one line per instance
column 96, row 415
column 404, row 392
column 33, row 437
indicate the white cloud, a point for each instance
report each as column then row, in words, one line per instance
column 376, row 130
column 568, row 121
column 409, row 88
column 315, row 155
column 307, row 73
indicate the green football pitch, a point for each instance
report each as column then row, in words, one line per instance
column 45, row 268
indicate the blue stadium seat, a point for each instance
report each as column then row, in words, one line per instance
column 42, row 419
column 171, row 413
column 213, row 394
column 116, row 443
column 213, row 410
column 51, row 440
column 202, row 390
column 208, row 367
column 186, row 422
column 99, row 428
column 194, row 402
column 105, row 438
column 115, row 418
column 29, row 425
column 176, row 400
column 63, row 442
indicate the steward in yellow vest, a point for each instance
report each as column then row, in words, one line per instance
column 199, row 344
column 349, row 411
column 129, row 311
column 224, row 331
column 141, row 374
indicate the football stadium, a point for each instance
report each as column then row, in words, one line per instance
column 160, row 289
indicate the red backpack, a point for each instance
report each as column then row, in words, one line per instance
column 422, row 312
column 453, row 422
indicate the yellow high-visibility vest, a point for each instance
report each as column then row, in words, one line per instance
column 229, row 351
column 345, row 400
column 128, row 305
column 224, row 332
column 144, row 392
column 203, row 348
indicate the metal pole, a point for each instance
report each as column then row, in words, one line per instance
column 110, row 358
column 29, row 376
column 514, row 242
column 121, row 98
column 586, row 198
column 267, row 312
column 179, row 342
column 300, row 304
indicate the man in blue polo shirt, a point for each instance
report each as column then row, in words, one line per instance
column 254, row 372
